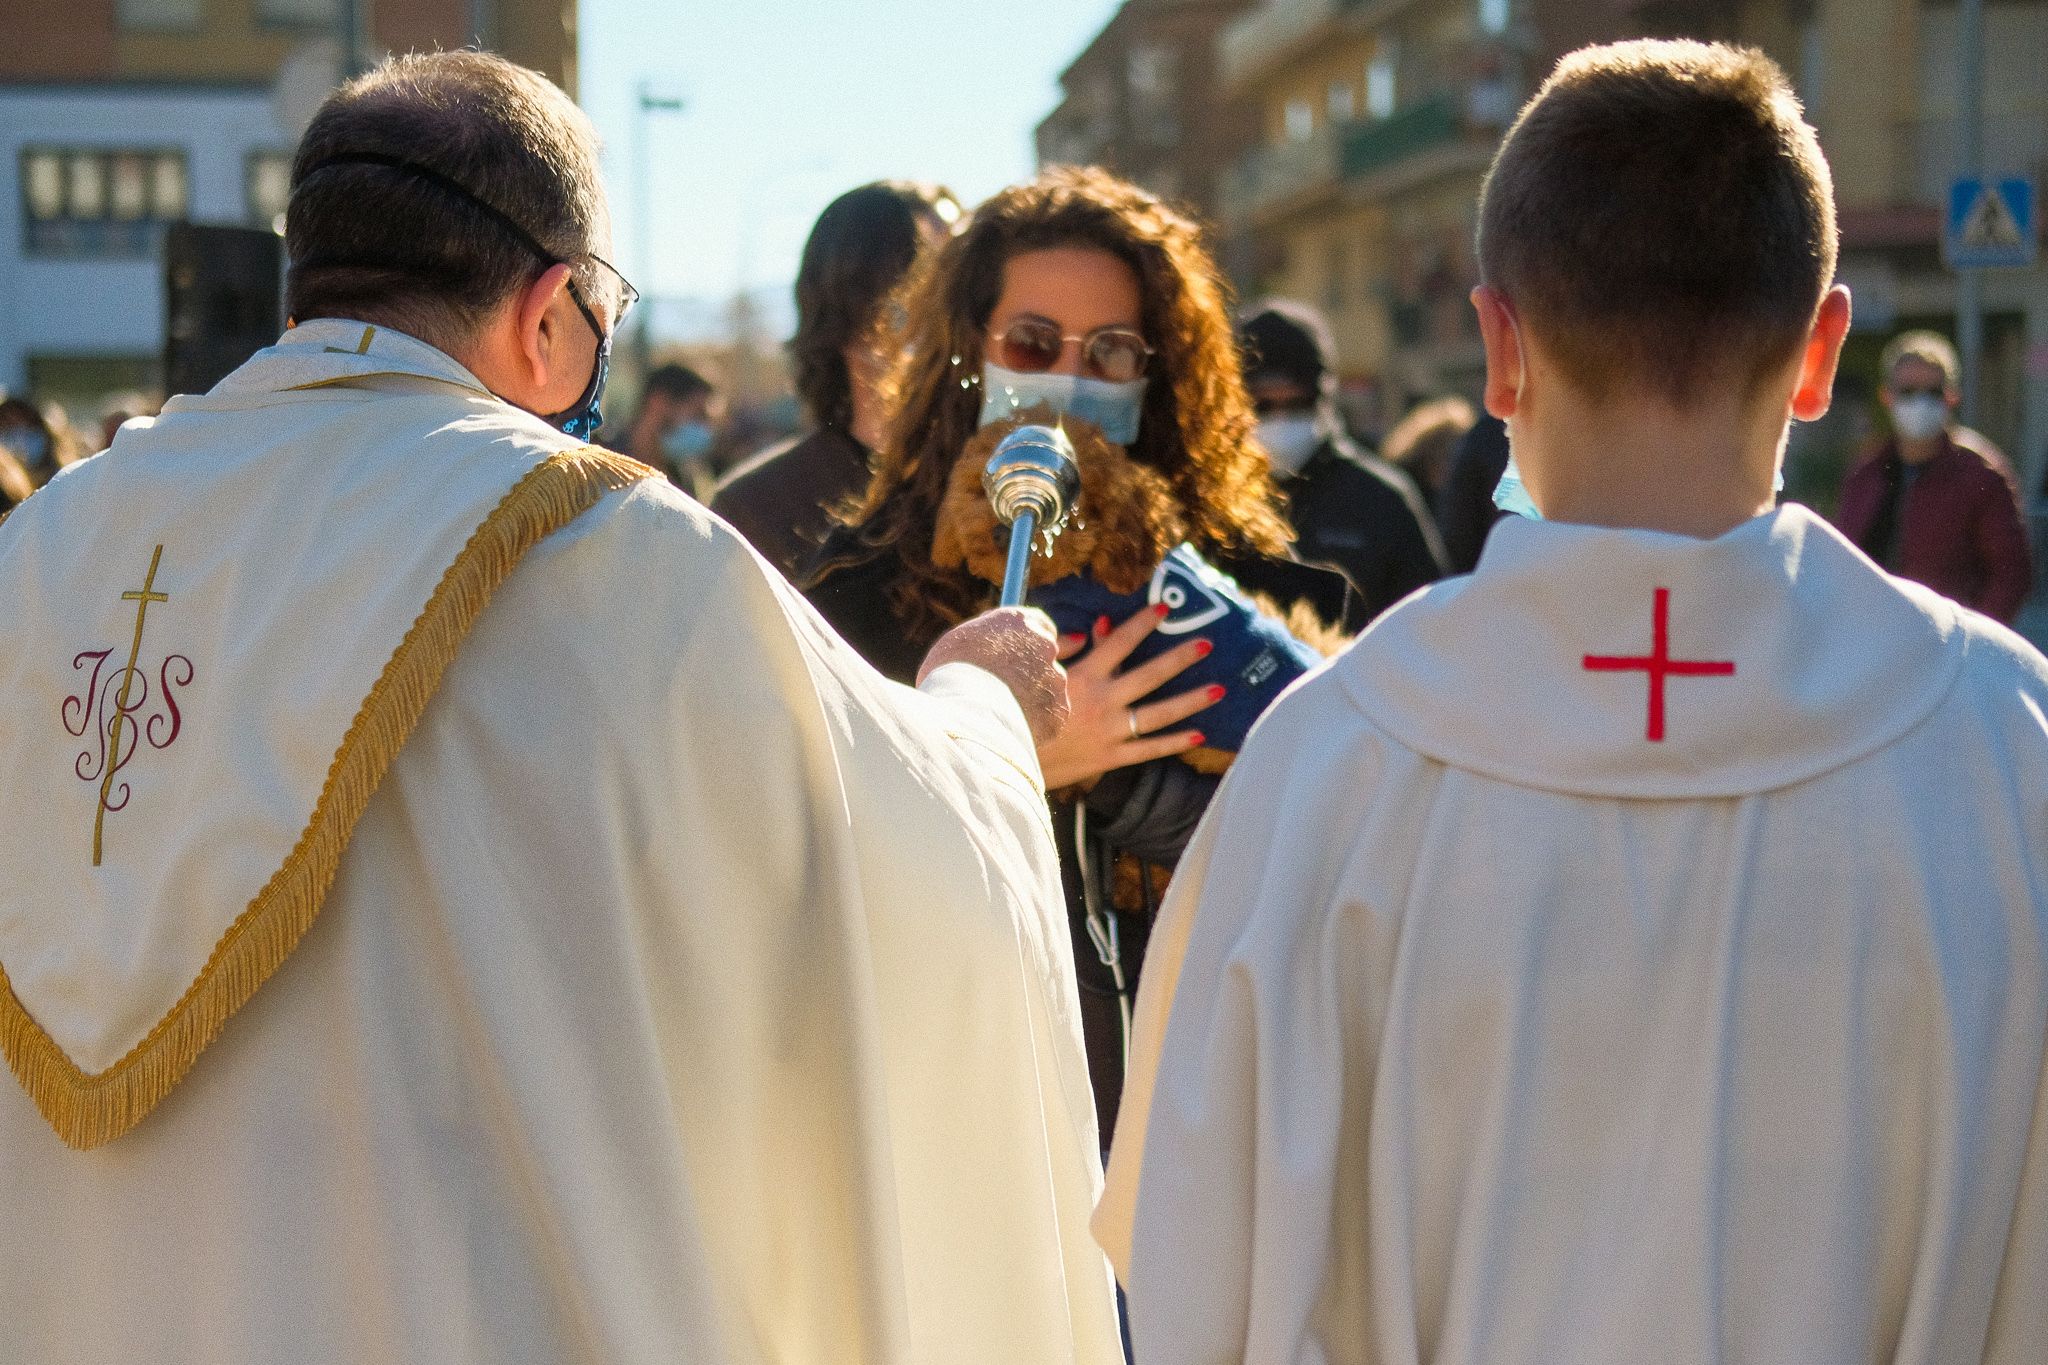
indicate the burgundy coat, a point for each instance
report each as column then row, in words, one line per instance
column 1961, row 530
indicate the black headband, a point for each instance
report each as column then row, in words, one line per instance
column 448, row 183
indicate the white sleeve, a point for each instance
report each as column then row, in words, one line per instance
column 2019, row 1314
column 1245, row 1106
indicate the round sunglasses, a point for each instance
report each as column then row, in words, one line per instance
column 1033, row 345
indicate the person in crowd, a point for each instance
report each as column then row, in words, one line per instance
column 1638, row 949
column 861, row 247
column 677, row 427
column 1421, row 443
column 472, row 907
column 1936, row 502
column 121, row 408
column 15, row 483
column 32, row 439
column 1089, row 295
column 1465, row 509
column 1348, row 509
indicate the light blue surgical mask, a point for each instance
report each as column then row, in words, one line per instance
column 28, row 445
column 1113, row 408
column 688, row 441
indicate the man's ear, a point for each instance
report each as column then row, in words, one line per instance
column 1504, row 358
column 539, row 327
column 1820, row 355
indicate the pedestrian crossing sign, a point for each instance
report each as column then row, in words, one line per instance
column 1990, row 223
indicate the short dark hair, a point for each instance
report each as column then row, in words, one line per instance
column 679, row 383
column 1661, row 211
column 417, row 249
column 860, row 249
column 1929, row 348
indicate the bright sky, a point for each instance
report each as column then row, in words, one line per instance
column 790, row 102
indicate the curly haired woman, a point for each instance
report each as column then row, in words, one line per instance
column 1083, row 293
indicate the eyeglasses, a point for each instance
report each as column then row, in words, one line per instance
column 1033, row 345
column 622, row 289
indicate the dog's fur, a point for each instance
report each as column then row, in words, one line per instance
column 1127, row 517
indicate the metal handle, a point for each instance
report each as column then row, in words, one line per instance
column 1032, row 482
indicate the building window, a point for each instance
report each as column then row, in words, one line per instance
column 1300, row 120
column 1494, row 15
column 1153, row 71
column 299, row 13
column 80, row 201
column 1379, row 78
column 153, row 15
column 267, row 186
column 1343, row 102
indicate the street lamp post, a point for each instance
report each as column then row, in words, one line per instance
column 353, row 19
column 645, row 102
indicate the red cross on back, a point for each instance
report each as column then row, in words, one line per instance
column 1659, row 664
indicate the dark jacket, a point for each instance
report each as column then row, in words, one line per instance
column 781, row 499
column 1464, row 505
column 1957, row 525
column 1360, row 515
column 1148, row 812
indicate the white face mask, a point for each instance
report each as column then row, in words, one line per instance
column 1291, row 439
column 1920, row 417
column 1113, row 408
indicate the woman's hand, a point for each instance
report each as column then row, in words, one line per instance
column 1106, row 728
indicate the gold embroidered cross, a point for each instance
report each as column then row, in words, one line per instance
column 141, row 597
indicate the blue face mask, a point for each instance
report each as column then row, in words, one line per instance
column 1510, row 496
column 688, row 441
column 30, row 446
column 1114, row 408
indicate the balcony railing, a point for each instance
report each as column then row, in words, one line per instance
column 1268, row 32
column 1428, row 123
column 1277, row 178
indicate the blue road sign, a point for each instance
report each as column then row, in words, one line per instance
column 1990, row 223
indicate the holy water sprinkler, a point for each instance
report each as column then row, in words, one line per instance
column 1032, row 482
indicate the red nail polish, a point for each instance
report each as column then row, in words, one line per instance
column 1216, row 691
column 1102, row 625
column 1196, row 739
column 1160, row 610
column 1204, row 648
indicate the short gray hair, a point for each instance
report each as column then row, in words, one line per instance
column 428, row 191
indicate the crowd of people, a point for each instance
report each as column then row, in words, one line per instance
column 1511, row 891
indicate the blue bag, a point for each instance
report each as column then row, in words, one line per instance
column 1255, row 657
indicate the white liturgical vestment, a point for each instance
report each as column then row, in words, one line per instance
column 458, row 905
column 1634, row 953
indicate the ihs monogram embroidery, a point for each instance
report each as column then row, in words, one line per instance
column 117, row 709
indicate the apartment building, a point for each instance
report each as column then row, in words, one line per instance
column 119, row 117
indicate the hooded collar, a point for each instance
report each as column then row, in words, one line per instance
column 331, row 352
column 1780, row 652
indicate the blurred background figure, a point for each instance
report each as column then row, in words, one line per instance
column 1421, row 443
column 121, row 408
column 1936, row 502
column 1465, row 511
column 1349, row 510
column 676, row 427
column 15, row 484
column 39, row 445
column 863, row 245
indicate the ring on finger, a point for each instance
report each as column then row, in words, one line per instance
column 1132, row 716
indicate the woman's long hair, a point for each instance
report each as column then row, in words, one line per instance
column 1197, row 424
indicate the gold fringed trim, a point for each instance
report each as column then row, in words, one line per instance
column 90, row 1110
